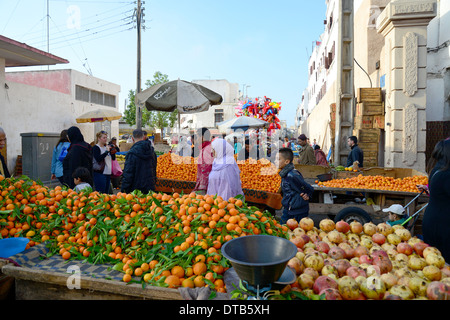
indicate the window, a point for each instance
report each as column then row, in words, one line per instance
column 218, row 116
column 96, row 97
column 81, row 94
column 110, row 100
column 92, row 96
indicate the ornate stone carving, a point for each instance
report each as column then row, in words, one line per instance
column 410, row 134
column 410, row 60
column 399, row 8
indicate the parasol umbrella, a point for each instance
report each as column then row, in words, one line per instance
column 184, row 96
column 99, row 115
column 244, row 123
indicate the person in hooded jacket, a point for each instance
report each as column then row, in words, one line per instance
column 79, row 154
column 139, row 172
column 58, row 157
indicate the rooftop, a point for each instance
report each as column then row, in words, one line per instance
column 17, row 54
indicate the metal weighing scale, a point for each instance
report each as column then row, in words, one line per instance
column 260, row 262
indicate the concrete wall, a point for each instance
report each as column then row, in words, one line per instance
column 317, row 125
column 32, row 103
column 369, row 43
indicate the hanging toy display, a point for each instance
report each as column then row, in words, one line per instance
column 261, row 108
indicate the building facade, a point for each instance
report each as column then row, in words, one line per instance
column 314, row 110
column 50, row 101
column 216, row 114
column 381, row 30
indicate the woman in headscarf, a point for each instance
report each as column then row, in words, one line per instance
column 224, row 179
column 204, row 162
column 321, row 158
column 79, row 154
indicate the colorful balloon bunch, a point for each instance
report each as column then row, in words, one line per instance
column 264, row 109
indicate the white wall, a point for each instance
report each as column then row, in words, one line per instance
column 28, row 108
column 317, row 125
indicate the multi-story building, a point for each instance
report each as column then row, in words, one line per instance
column 48, row 101
column 381, row 31
column 322, row 75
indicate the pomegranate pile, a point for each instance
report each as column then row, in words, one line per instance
column 342, row 261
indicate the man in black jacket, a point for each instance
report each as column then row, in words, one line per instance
column 139, row 172
column 356, row 154
column 3, row 167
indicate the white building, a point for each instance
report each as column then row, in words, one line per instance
column 47, row 101
column 320, row 92
column 216, row 114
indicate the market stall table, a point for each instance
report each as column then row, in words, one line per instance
column 269, row 199
column 38, row 277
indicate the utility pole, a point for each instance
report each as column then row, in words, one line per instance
column 48, row 31
column 138, row 73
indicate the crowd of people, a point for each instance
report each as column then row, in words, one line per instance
column 79, row 165
column 76, row 163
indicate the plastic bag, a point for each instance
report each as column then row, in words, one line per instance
column 116, row 170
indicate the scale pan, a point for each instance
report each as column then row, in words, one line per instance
column 259, row 259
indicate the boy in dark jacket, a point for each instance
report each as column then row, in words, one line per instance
column 139, row 172
column 296, row 192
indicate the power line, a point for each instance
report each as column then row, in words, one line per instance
column 103, row 36
column 84, row 31
column 88, row 70
column 84, row 24
column 11, row 15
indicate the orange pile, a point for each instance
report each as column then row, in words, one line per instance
column 407, row 184
column 173, row 166
column 156, row 239
column 259, row 175
column 256, row 175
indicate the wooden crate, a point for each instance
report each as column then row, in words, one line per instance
column 378, row 122
column 345, row 174
column 370, row 162
column 311, row 172
column 369, row 109
column 367, row 135
column 363, row 122
column 369, row 95
column 369, row 147
column 392, row 172
column 370, row 158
